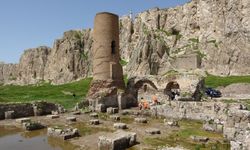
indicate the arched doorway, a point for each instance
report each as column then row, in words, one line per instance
column 172, row 89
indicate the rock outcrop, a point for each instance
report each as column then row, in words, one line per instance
column 67, row 61
column 208, row 35
column 217, row 31
column 70, row 57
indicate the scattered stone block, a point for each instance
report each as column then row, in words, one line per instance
column 112, row 110
column 119, row 140
column 23, row 120
column 9, row 114
column 72, row 119
column 120, row 126
column 209, row 127
column 125, row 112
column 93, row 115
column 63, row 133
column 53, row 116
column 100, row 108
column 115, row 117
column 94, row 122
column 171, row 123
column 141, row 120
column 54, row 112
column 76, row 113
column 199, row 138
column 30, row 126
column 153, row 131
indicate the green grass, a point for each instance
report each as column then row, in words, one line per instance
column 61, row 94
column 85, row 129
column 182, row 138
column 123, row 62
column 216, row 81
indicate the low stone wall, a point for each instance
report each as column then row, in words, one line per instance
column 234, row 119
column 28, row 109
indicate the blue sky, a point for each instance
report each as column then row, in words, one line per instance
column 31, row 23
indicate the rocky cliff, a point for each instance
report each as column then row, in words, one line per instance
column 67, row 61
column 204, row 34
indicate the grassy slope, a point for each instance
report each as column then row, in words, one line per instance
column 54, row 93
column 216, row 81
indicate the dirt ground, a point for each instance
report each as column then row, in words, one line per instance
column 90, row 133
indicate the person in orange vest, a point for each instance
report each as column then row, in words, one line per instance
column 155, row 100
column 145, row 104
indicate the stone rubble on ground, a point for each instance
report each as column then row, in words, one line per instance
column 120, row 140
column 141, row 120
column 53, row 116
column 65, row 134
column 115, row 117
column 94, row 115
column 71, row 119
column 23, row 120
column 153, row 131
column 76, row 113
column 120, row 126
column 199, row 138
column 94, row 122
column 30, row 126
column 112, row 110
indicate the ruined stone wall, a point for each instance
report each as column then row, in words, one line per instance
column 187, row 62
column 20, row 110
column 27, row 109
column 235, row 120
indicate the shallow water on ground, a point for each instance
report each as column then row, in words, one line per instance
column 15, row 139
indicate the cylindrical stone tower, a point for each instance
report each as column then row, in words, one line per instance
column 106, row 54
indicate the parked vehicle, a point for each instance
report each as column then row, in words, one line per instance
column 213, row 93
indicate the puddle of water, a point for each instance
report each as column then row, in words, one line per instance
column 16, row 139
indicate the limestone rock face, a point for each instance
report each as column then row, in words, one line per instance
column 32, row 65
column 70, row 57
column 153, row 43
column 68, row 60
column 8, row 73
column 218, row 31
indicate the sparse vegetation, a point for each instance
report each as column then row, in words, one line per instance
column 182, row 138
column 216, row 81
column 85, row 129
column 123, row 62
column 171, row 73
column 46, row 91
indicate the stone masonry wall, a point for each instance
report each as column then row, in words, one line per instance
column 234, row 119
column 27, row 109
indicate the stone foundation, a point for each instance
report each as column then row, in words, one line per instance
column 19, row 110
column 227, row 118
column 119, row 140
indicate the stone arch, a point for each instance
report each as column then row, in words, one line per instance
column 172, row 89
column 142, row 82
